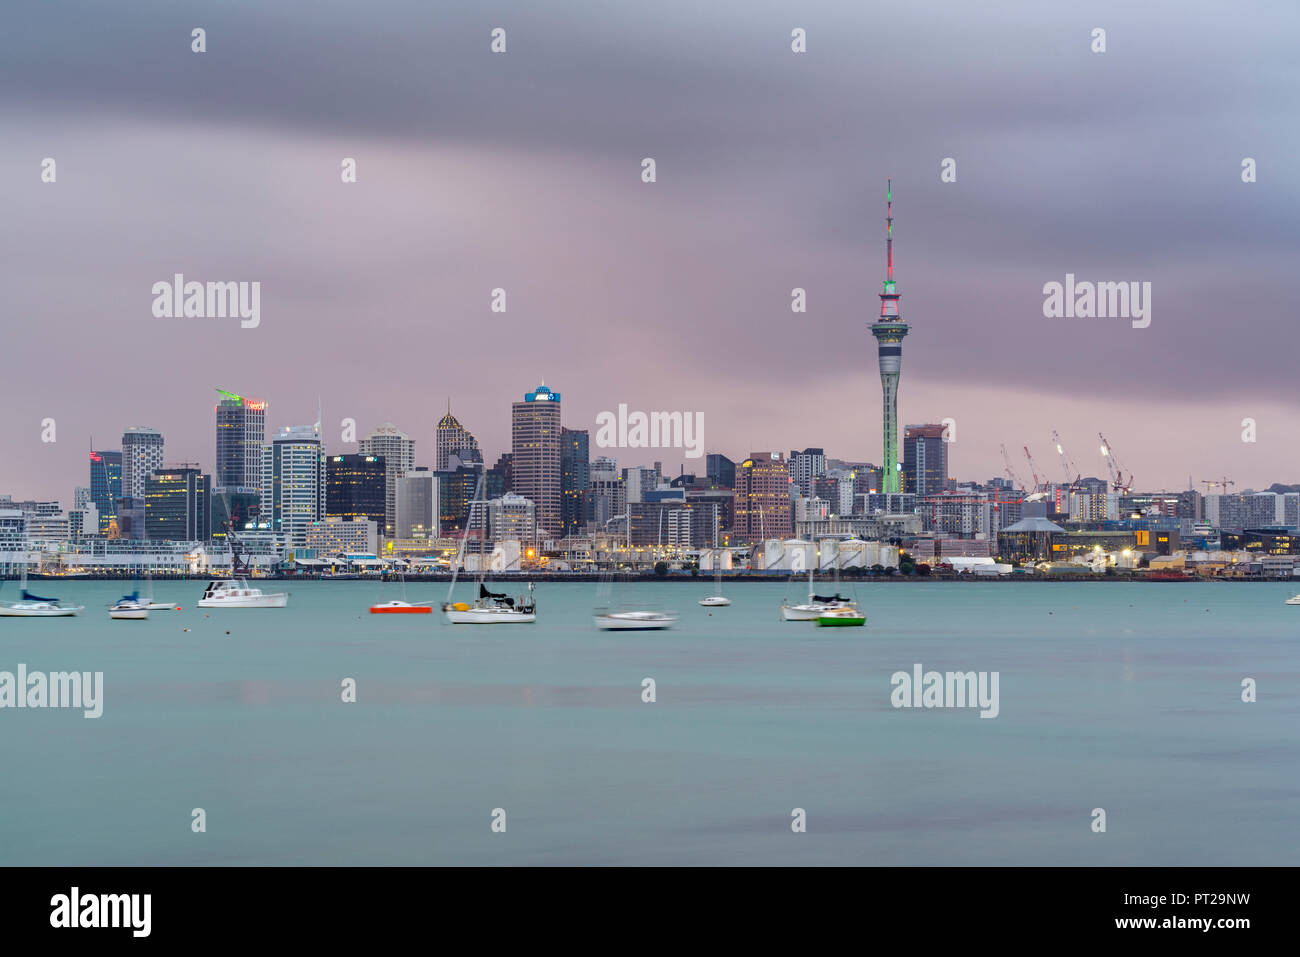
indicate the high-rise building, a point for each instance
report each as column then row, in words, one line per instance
column 293, row 482
column 142, row 453
column 889, row 331
column 504, row 471
column 805, row 467
column 398, row 453
column 575, row 479
column 452, row 437
column 721, row 470
column 105, row 485
column 535, row 455
column 761, row 506
column 417, row 505
column 456, row 489
column 925, row 460
column 356, row 487
column 608, row 493
column 639, row 480
column 241, row 436
column 178, row 505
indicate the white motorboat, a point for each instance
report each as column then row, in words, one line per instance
column 238, row 593
column 129, row 608
column 1294, row 599
column 634, row 620
column 162, row 606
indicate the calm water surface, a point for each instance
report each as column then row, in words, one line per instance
column 1114, row 695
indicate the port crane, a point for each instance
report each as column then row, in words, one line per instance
column 1117, row 481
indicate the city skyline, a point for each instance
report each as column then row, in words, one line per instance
column 683, row 285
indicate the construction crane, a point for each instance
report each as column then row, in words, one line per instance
column 1038, row 485
column 1117, row 481
column 1072, row 474
column 1016, row 481
column 1222, row 483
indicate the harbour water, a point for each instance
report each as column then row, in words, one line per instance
column 1121, row 696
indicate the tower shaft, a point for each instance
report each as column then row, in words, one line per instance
column 889, row 331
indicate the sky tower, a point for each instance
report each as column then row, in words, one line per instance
column 889, row 331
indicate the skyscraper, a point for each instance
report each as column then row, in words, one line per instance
column 452, row 437
column 178, row 505
column 399, row 458
column 356, row 487
column 105, row 485
column 535, row 454
column 889, row 331
column 721, row 470
column 762, row 500
column 142, row 452
column 807, row 466
column 925, row 459
column 575, row 480
column 293, row 482
column 241, row 434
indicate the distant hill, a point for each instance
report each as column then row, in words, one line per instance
column 1280, row 488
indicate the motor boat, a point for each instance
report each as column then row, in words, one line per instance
column 238, row 593
column 842, row 616
column 34, row 606
column 1294, row 599
column 492, row 608
column 634, row 620
column 397, row 607
column 129, row 608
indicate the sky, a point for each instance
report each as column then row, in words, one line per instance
column 522, row 171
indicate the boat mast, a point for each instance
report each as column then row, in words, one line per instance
column 464, row 537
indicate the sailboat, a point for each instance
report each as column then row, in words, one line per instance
column 718, row 600
column 845, row 614
column 402, row 606
column 490, row 608
column 34, row 606
column 815, row 606
column 149, row 599
column 606, row 618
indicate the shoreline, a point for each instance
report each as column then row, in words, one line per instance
column 523, row 579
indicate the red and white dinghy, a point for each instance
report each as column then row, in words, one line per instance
column 396, row 607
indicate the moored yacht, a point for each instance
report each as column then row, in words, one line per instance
column 634, row 620
column 34, row 606
column 238, row 593
column 129, row 608
column 492, row 608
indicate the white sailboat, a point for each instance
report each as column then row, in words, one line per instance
column 149, row 599
column 717, row 600
column 34, row 606
column 490, row 608
column 608, row 618
column 129, row 608
column 815, row 607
